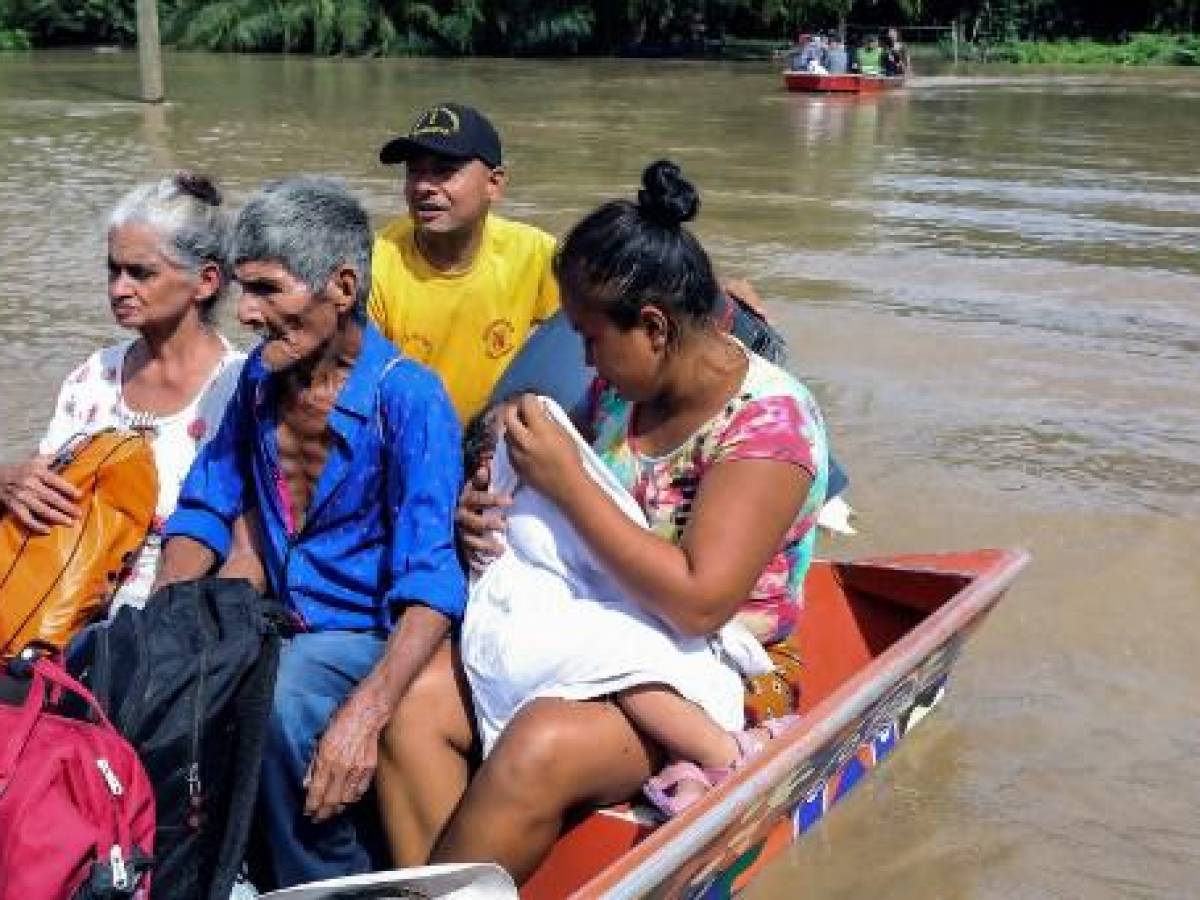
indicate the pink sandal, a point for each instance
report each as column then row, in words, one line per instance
column 752, row 744
column 662, row 790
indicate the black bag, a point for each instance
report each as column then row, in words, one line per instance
column 189, row 682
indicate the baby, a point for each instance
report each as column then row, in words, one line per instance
column 546, row 620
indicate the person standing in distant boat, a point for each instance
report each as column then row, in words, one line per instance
column 895, row 54
column 870, row 58
column 836, row 60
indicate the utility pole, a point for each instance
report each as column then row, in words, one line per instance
column 149, row 51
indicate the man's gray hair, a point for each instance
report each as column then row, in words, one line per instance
column 185, row 210
column 311, row 226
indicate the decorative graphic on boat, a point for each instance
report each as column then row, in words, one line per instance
column 799, row 801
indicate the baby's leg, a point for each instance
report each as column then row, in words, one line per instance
column 681, row 727
column 689, row 734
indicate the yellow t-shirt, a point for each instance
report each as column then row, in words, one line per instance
column 467, row 325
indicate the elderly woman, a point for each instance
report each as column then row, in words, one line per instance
column 167, row 272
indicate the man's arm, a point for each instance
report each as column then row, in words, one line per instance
column 185, row 558
column 382, row 303
column 245, row 559
column 347, row 755
column 548, row 299
column 423, row 478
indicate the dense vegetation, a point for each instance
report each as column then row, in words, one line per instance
column 13, row 39
column 596, row 26
column 1139, row 50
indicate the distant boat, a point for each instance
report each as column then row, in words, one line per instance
column 841, row 84
column 877, row 639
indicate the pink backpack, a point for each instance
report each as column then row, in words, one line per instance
column 76, row 807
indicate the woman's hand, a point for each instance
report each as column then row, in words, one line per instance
column 479, row 516
column 541, row 450
column 39, row 497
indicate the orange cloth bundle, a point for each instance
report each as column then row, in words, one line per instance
column 52, row 585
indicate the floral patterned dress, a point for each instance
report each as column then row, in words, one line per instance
column 91, row 400
column 772, row 416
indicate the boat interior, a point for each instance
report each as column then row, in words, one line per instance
column 853, row 613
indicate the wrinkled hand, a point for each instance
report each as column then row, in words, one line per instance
column 347, row 754
column 480, row 515
column 542, row 452
column 39, row 497
column 743, row 290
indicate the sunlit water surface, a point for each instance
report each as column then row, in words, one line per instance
column 992, row 281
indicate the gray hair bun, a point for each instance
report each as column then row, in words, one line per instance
column 199, row 186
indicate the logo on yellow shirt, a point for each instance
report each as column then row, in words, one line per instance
column 499, row 338
column 417, row 346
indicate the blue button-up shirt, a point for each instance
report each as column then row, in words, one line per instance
column 379, row 530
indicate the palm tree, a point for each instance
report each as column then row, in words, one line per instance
column 319, row 26
column 328, row 26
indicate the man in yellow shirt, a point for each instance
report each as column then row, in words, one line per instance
column 453, row 285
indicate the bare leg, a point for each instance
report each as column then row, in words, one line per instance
column 688, row 733
column 424, row 760
column 554, row 756
column 684, row 729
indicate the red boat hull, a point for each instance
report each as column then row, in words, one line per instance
column 840, row 84
column 879, row 638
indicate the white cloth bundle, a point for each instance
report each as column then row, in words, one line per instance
column 546, row 620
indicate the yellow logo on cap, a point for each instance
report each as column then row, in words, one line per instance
column 439, row 120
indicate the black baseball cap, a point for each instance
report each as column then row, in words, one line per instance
column 448, row 129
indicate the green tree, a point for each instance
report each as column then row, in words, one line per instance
column 560, row 26
column 319, row 26
column 541, row 26
column 71, row 21
column 329, row 26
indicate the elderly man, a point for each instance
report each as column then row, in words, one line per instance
column 350, row 453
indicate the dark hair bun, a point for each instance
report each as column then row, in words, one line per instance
column 199, row 186
column 666, row 197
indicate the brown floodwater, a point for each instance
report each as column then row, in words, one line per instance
column 992, row 281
